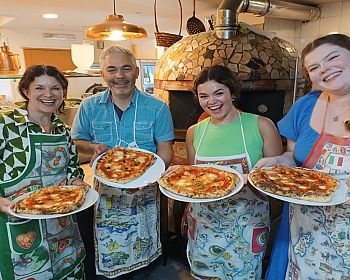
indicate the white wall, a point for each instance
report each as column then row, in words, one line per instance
column 335, row 17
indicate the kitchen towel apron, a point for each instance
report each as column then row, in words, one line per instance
column 227, row 238
column 320, row 236
column 40, row 249
column 127, row 230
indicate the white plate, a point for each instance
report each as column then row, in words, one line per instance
column 341, row 196
column 150, row 176
column 90, row 199
column 178, row 197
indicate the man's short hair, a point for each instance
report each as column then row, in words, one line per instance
column 117, row 50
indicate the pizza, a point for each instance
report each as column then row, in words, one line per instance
column 123, row 165
column 52, row 200
column 199, row 182
column 295, row 182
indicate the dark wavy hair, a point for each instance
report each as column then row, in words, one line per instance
column 222, row 75
column 339, row 40
column 38, row 70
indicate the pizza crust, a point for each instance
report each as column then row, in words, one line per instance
column 295, row 182
column 52, row 200
column 199, row 182
column 123, row 165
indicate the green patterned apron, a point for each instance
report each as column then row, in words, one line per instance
column 40, row 249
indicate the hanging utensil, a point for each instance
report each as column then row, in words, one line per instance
column 211, row 23
column 194, row 25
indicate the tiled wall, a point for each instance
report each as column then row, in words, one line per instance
column 335, row 17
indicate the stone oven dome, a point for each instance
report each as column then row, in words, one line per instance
column 265, row 64
column 252, row 56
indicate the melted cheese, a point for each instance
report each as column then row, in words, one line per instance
column 123, row 163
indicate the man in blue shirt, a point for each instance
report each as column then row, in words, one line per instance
column 127, row 223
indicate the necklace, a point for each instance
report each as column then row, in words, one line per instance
column 336, row 118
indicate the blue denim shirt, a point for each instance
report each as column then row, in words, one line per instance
column 96, row 121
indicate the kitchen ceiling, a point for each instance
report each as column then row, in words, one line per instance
column 76, row 15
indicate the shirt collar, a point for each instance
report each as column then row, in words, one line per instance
column 107, row 97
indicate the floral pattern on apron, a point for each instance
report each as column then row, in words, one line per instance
column 320, row 236
column 227, row 238
column 41, row 249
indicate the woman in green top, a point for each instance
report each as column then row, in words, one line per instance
column 36, row 151
column 227, row 238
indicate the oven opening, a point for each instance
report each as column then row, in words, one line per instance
column 185, row 112
column 265, row 103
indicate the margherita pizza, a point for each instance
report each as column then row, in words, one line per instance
column 52, row 200
column 199, row 182
column 294, row 182
column 123, row 165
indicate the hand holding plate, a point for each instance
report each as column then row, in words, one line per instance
column 266, row 162
column 5, row 203
column 169, row 170
column 99, row 149
column 79, row 182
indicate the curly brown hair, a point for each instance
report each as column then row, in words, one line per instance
column 222, row 75
column 339, row 40
column 38, row 70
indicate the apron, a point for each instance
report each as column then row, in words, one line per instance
column 127, row 230
column 227, row 238
column 320, row 237
column 41, row 249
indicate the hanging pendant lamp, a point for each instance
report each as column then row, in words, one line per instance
column 115, row 29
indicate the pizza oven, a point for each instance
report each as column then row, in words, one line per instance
column 266, row 66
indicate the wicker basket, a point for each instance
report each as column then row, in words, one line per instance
column 164, row 39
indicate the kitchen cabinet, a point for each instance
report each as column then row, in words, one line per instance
column 61, row 58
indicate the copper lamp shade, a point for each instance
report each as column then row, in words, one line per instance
column 115, row 29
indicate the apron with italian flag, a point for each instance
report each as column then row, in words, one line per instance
column 320, row 235
column 40, row 249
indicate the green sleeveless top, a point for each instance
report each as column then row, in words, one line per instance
column 226, row 139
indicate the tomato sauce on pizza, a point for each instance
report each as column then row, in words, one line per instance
column 295, row 182
column 123, row 165
column 199, row 182
column 52, row 200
